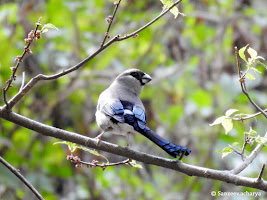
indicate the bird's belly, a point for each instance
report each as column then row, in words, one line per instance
column 106, row 124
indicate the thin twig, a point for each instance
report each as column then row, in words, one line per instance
column 235, row 150
column 244, row 146
column 39, row 77
column 149, row 23
column 19, row 60
column 21, row 177
column 243, row 85
column 23, row 81
column 248, row 116
column 110, row 20
column 261, row 173
column 104, row 165
column 249, row 159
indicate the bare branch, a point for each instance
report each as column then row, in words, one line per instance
column 191, row 170
column 244, row 146
column 95, row 163
column 21, row 177
column 39, row 77
column 248, row 116
column 110, row 21
column 19, row 59
column 149, row 23
column 261, row 173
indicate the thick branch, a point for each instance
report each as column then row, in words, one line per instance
column 188, row 169
column 21, row 177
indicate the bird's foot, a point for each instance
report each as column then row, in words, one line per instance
column 98, row 138
column 128, row 139
column 182, row 155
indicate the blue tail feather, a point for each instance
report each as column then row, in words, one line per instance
column 172, row 149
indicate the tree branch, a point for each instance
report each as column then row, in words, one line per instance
column 32, row 35
column 40, row 77
column 250, row 158
column 248, row 116
column 243, row 85
column 261, row 173
column 222, row 175
column 21, row 177
column 110, row 21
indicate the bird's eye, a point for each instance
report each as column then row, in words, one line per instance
column 135, row 74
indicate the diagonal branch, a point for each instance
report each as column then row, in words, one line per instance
column 261, row 173
column 191, row 170
column 250, row 158
column 21, row 177
column 29, row 40
column 110, row 21
column 40, row 77
column 243, row 85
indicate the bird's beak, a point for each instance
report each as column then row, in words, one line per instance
column 145, row 79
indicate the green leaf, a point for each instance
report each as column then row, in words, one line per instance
column 259, row 62
column 218, row 121
column 72, row 146
column 262, row 140
column 235, row 143
column 38, row 23
column 253, row 54
column 48, row 26
column 227, row 125
column 226, row 151
column 240, row 115
column 255, row 70
column 94, row 152
column 61, row 142
column 175, row 12
column 259, row 57
column 230, row 112
column 242, row 53
column 134, row 164
column 250, row 76
column 252, row 132
column 167, row 4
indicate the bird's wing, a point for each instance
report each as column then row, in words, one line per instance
column 114, row 109
column 125, row 112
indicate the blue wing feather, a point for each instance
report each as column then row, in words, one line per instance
column 127, row 112
column 114, row 109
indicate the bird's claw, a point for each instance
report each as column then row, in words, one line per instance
column 182, row 154
column 98, row 138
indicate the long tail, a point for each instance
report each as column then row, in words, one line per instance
column 172, row 149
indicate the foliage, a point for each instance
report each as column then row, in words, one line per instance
column 192, row 63
column 226, row 121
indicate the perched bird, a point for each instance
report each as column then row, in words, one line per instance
column 120, row 111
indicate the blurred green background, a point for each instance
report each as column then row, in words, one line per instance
column 192, row 63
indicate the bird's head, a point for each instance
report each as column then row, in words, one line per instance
column 133, row 79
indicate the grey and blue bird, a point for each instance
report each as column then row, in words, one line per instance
column 121, row 111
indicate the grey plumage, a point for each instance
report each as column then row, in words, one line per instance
column 124, row 88
column 120, row 110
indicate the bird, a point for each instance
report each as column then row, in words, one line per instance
column 121, row 111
